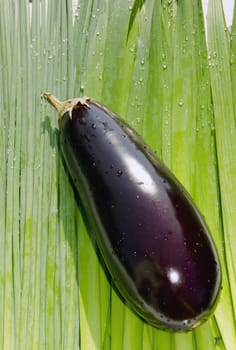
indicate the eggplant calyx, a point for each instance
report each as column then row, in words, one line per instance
column 67, row 106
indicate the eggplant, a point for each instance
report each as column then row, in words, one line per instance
column 154, row 242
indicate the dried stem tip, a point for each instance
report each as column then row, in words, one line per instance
column 66, row 106
column 54, row 101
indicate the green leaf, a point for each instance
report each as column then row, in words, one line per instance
column 152, row 63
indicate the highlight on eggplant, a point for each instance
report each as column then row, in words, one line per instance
column 154, row 242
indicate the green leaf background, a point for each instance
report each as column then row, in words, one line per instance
column 152, row 62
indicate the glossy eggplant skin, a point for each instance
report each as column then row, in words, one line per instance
column 152, row 238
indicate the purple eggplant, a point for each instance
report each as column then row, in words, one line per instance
column 154, row 242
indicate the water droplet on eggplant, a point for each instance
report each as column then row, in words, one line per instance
column 119, row 173
column 154, row 242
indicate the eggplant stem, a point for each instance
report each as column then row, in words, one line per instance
column 63, row 107
column 54, row 101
